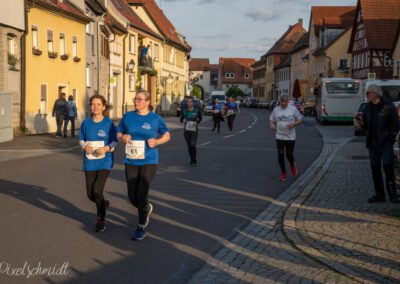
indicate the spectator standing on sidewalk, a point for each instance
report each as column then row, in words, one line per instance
column 192, row 116
column 60, row 112
column 142, row 131
column 381, row 123
column 72, row 115
column 283, row 119
column 97, row 138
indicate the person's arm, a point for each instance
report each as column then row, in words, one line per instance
column 54, row 108
column 272, row 121
column 153, row 142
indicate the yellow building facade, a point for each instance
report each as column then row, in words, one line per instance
column 55, row 63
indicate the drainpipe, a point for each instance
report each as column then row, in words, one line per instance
column 123, row 67
column 109, row 67
column 98, row 50
column 23, row 68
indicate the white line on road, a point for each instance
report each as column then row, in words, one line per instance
column 244, row 130
column 250, row 126
column 205, row 143
column 228, row 136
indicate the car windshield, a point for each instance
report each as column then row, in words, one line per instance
column 392, row 92
column 219, row 97
column 342, row 87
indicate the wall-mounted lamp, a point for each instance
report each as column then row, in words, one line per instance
column 130, row 66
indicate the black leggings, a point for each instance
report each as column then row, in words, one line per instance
column 217, row 121
column 230, row 119
column 139, row 179
column 283, row 145
column 191, row 139
column 95, row 182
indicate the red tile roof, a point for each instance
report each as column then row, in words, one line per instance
column 239, row 66
column 161, row 20
column 286, row 42
column 302, row 43
column 380, row 20
column 132, row 17
column 199, row 64
column 331, row 16
column 114, row 25
column 64, row 7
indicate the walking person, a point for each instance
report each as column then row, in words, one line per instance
column 97, row 138
column 72, row 115
column 60, row 112
column 191, row 116
column 217, row 115
column 381, row 123
column 231, row 109
column 142, row 131
column 283, row 119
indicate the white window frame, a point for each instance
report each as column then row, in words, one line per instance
column 35, row 36
column 43, row 103
column 156, row 52
column 343, row 59
column 74, row 46
column 62, row 44
column 50, row 41
column 246, row 75
column 75, row 94
column 131, row 82
column 132, row 43
column 11, row 44
column 88, row 76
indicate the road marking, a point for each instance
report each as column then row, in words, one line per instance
column 205, row 143
column 250, row 126
column 228, row 136
column 244, row 130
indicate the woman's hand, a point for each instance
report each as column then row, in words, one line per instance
column 102, row 150
column 152, row 142
column 89, row 149
column 126, row 138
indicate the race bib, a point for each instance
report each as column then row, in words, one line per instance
column 190, row 126
column 283, row 127
column 95, row 145
column 230, row 112
column 135, row 150
column 216, row 110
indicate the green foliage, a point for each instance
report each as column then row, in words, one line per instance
column 153, row 72
column 234, row 91
column 196, row 92
column 12, row 59
column 139, row 81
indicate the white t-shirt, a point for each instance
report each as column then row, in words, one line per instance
column 283, row 117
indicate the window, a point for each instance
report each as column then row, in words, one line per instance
column 62, row 44
column 132, row 82
column 89, row 28
column 50, row 45
column 11, row 44
column 246, row 75
column 387, row 60
column 43, row 99
column 35, row 37
column 229, row 75
column 132, row 44
column 74, row 46
column 171, row 55
column 87, row 76
column 75, row 94
column 156, row 52
column 398, row 68
column 343, row 63
column 105, row 50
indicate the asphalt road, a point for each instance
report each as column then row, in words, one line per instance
column 47, row 219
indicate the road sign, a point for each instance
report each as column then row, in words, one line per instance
column 371, row 76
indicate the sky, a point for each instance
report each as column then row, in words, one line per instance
column 237, row 28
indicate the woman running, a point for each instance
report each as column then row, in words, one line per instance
column 97, row 138
column 142, row 131
column 217, row 114
column 231, row 108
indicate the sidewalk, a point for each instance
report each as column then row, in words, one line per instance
column 320, row 230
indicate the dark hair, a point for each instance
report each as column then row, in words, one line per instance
column 103, row 101
column 70, row 98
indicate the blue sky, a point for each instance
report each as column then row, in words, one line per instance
column 237, row 28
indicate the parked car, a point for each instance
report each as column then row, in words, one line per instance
column 208, row 108
column 254, row 103
column 358, row 122
column 299, row 106
column 262, row 104
column 250, row 102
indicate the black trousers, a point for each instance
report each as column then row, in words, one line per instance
column 95, row 182
column 59, row 120
column 138, row 179
column 230, row 119
column 191, row 140
column 288, row 147
column 217, row 121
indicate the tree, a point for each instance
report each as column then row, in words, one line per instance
column 234, row 91
column 196, row 91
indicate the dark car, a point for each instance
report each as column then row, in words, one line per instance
column 358, row 122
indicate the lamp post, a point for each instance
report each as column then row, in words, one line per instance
column 130, row 66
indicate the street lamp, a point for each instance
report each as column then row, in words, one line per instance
column 130, row 66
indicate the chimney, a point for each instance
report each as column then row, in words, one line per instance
column 300, row 21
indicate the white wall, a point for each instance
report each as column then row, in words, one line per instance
column 12, row 13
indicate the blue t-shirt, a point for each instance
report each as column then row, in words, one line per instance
column 231, row 106
column 142, row 128
column 217, row 106
column 100, row 132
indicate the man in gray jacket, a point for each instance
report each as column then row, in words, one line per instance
column 60, row 112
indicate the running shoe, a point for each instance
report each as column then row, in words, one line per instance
column 293, row 170
column 108, row 203
column 139, row 234
column 149, row 210
column 282, row 177
column 100, row 225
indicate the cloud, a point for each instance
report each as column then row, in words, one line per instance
column 221, row 36
column 262, row 15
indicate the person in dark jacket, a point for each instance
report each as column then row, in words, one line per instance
column 381, row 123
column 60, row 109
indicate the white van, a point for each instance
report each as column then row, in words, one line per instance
column 220, row 95
column 390, row 89
column 337, row 99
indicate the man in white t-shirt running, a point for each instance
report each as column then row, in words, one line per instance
column 283, row 119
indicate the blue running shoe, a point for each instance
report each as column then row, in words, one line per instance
column 139, row 234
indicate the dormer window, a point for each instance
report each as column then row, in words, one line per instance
column 246, row 75
column 229, row 75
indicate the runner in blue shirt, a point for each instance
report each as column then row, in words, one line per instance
column 192, row 117
column 142, row 131
column 217, row 114
column 231, row 108
column 97, row 138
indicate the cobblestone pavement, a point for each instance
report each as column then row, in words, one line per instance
column 321, row 230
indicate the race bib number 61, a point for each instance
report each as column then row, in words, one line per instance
column 135, row 150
